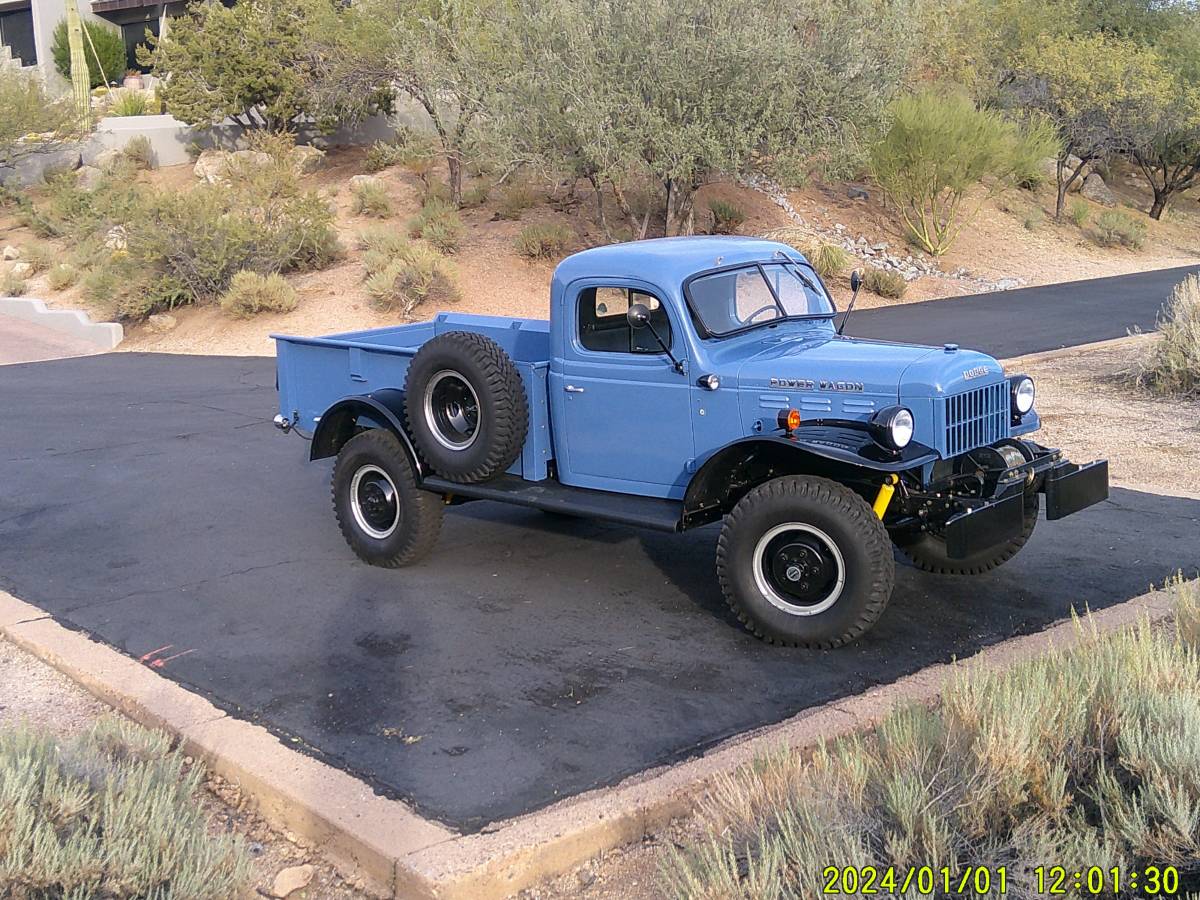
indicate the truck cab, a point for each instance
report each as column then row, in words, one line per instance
column 679, row 383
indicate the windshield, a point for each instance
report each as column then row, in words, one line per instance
column 757, row 294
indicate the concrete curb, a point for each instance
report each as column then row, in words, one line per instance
column 1063, row 352
column 72, row 322
column 411, row 857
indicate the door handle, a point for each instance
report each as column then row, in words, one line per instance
column 571, row 389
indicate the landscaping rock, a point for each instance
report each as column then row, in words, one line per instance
column 10, row 252
column 307, row 159
column 1049, row 168
column 21, row 269
column 115, row 239
column 857, row 192
column 1097, row 191
column 160, row 323
column 106, row 159
column 88, row 178
column 292, row 879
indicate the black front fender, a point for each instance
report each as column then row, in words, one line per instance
column 832, row 451
column 382, row 409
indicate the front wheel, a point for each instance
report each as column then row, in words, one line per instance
column 805, row 561
column 384, row 517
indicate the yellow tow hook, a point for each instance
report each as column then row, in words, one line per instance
column 884, row 497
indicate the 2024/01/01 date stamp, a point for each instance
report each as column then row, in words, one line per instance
column 1051, row 881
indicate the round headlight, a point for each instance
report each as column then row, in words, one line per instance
column 893, row 427
column 1023, row 394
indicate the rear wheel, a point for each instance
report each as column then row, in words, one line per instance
column 805, row 561
column 383, row 516
column 927, row 549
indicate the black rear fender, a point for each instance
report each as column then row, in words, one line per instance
column 847, row 455
column 343, row 420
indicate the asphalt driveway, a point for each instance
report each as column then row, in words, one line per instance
column 146, row 499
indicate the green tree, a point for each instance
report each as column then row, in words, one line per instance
column 1102, row 93
column 103, row 49
column 31, row 121
column 252, row 61
column 942, row 157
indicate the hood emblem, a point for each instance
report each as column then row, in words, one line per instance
column 977, row 372
column 823, row 384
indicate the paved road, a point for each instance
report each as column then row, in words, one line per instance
column 145, row 499
column 23, row 341
column 1012, row 323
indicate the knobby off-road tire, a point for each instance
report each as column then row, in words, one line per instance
column 383, row 516
column 466, row 407
column 927, row 551
column 805, row 561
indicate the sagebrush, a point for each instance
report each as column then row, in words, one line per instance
column 415, row 275
column 111, row 814
column 1115, row 228
column 1087, row 756
column 250, row 293
column 545, row 241
column 886, row 284
column 1171, row 366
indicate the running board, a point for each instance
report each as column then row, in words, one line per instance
column 626, row 509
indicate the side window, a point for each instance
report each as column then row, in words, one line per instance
column 604, row 328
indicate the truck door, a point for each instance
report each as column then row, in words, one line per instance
column 621, row 410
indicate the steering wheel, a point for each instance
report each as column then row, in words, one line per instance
column 770, row 307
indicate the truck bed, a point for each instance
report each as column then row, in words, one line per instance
column 316, row 372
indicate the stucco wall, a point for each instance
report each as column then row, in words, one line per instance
column 46, row 16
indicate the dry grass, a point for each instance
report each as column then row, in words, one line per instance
column 1087, row 757
column 1171, row 367
column 546, row 241
column 415, row 275
column 829, row 260
column 250, row 294
column 885, row 284
column 372, row 199
column 12, row 285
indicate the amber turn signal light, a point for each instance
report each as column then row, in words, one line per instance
column 789, row 419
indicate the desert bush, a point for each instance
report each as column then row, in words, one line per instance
column 1115, row 228
column 438, row 223
column 727, row 217
column 372, row 199
column 514, row 200
column 389, row 241
column 33, row 120
column 417, row 275
column 1079, row 212
column 61, row 276
column 1087, row 756
column 1171, row 366
column 886, row 284
column 828, row 259
column 476, row 195
column 546, row 241
column 139, row 152
column 381, row 155
column 250, row 293
column 11, row 285
column 939, row 148
column 129, row 103
column 1034, row 220
column 77, row 816
column 39, row 256
column 109, row 48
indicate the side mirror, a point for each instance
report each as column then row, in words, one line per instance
column 855, row 281
column 638, row 316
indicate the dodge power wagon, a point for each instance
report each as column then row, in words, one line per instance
column 679, row 383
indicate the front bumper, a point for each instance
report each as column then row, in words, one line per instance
column 974, row 523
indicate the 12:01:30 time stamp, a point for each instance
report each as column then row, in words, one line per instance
column 1051, row 881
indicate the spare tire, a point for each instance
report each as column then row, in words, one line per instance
column 466, row 406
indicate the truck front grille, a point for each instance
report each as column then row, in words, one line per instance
column 976, row 418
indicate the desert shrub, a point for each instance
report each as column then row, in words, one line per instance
column 727, row 217
column 61, row 276
column 1079, row 212
column 76, row 815
column 828, row 259
column 417, row 275
column 1087, row 756
column 546, row 241
column 381, row 155
column 389, row 241
column 886, row 284
column 139, row 152
column 129, row 103
column 110, row 48
column 39, row 256
column 33, row 119
column 372, row 199
column 515, row 199
column 1171, row 366
column 1118, row 229
column 250, row 293
column 476, row 195
column 939, row 148
column 11, row 285
column 438, row 223
column 1034, row 220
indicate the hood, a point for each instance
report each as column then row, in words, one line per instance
column 945, row 372
column 821, row 359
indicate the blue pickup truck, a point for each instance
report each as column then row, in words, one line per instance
column 679, row 383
